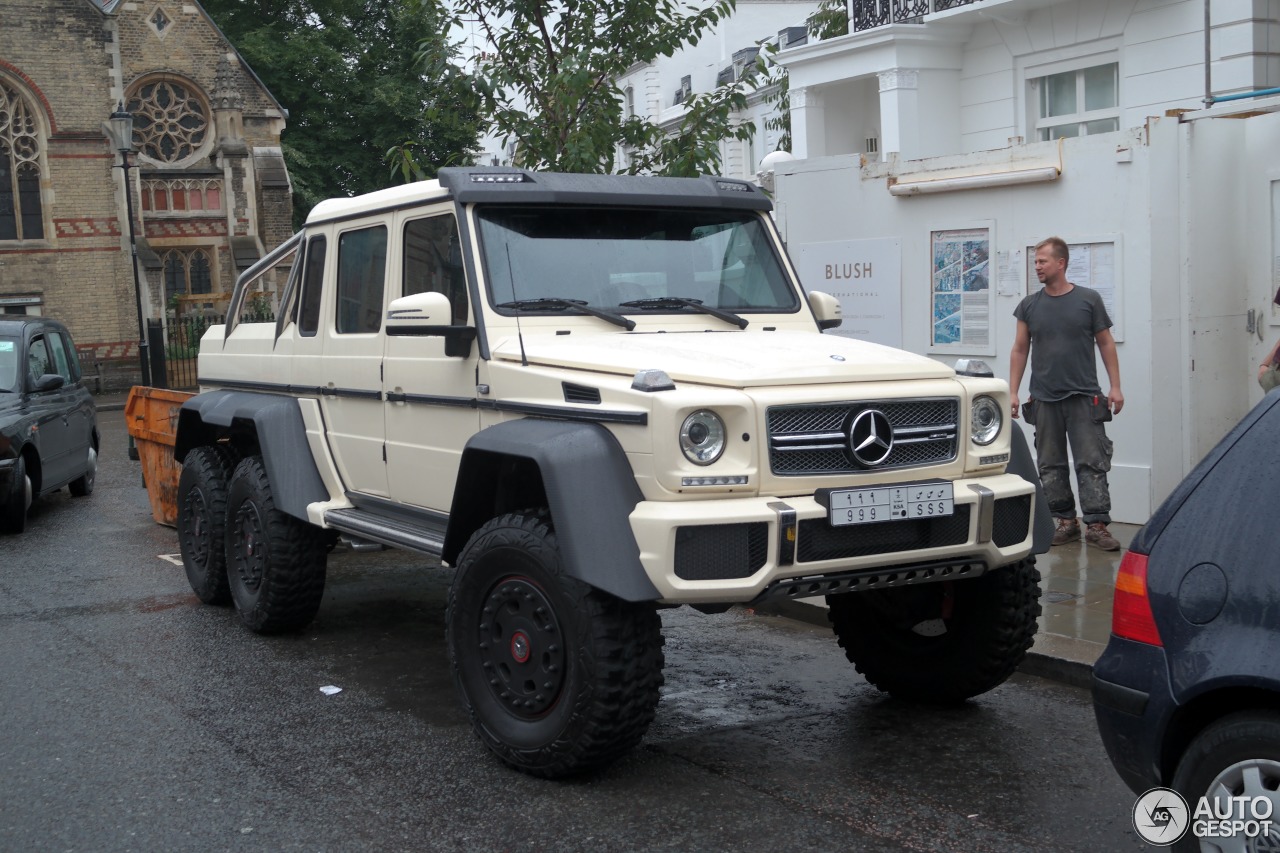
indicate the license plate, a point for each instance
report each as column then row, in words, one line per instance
column 891, row 503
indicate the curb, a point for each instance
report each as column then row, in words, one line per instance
column 1055, row 667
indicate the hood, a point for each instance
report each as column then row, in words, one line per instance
column 732, row 359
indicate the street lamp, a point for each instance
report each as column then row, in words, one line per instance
column 121, row 129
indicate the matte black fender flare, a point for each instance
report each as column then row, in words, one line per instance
column 1022, row 464
column 281, row 435
column 590, row 489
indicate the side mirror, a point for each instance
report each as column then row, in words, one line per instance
column 425, row 315
column 826, row 310
column 49, row 382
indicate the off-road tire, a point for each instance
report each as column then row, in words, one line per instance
column 1241, row 753
column 988, row 624
column 202, row 522
column 82, row 486
column 557, row 677
column 13, row 506
column 275, row 562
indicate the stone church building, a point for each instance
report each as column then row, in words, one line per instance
column 210, row 193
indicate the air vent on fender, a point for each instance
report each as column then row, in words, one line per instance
column 580, row 393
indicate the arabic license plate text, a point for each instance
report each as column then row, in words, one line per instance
column 891, row 503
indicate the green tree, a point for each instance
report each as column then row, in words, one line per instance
column 830, row 20
column 547, row 78
column 359, row 78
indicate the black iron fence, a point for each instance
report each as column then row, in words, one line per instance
column 175, row 344
column 868, row 14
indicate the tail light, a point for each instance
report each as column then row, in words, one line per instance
column 1131, row 616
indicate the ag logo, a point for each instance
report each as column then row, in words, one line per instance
column 1160, row 816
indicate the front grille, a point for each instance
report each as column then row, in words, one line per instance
column 818, row 540
column 814, row 439
column 709, row 552
column 1009, row 525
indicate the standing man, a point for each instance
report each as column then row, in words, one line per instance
column 1060, row 326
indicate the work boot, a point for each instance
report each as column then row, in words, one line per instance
column 1068, row 530
column 1099, row 535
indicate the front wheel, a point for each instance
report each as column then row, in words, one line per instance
column 1235, row 765
column 275, row 562
column 557, row 677
column 13, row 506
column 941, row 642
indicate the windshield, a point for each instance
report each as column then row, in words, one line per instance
column 616, row 258
column 8, row 364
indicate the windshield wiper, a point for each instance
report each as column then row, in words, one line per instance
column 553, row 302
column 685, row 302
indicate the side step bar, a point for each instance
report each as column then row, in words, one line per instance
column 398, row 533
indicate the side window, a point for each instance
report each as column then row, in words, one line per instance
column 362, row 265
column 61, row 364
column 433, row 262
column 39, row 361
column 312, row 282
column 73, row 358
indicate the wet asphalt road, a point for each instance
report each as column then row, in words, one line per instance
column 134, row 718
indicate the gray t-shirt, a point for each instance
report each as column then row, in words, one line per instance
column 1062, row 341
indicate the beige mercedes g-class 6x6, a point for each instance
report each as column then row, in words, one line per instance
column 597, row 397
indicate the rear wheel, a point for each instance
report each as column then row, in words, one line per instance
column 14, row 505
column 202, row 523
column 275, row 562
column 557, row 677
column 941, row 642
column 82, row 486
column 1237, row 756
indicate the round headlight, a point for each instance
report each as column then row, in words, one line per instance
column 987, row 419
column 702, row 437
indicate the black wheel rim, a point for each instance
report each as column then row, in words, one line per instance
column 521, row 648
column 251, row 547
column 195, row 519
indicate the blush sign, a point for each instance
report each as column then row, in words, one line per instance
column 866, row 276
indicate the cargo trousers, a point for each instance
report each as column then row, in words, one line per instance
column 1070, row 422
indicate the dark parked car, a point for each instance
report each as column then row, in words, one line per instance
column 48, row 421
column 1187, row 693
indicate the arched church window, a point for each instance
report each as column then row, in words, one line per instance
column 186, row 273
column 21, row 210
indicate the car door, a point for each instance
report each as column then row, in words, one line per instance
column 351, row 360
column 431, row 396
column 77, row 400
column 52, row 425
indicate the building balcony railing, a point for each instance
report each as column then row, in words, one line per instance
column 869, row 14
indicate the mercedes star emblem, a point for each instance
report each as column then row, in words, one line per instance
column 871, row 437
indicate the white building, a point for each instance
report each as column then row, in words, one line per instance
column 939, row 132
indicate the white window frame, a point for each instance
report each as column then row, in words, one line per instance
column 1032, row 68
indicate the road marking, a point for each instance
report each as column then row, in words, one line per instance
column 176, row 559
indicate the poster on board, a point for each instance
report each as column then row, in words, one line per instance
column 865, row 276
column 960, row 291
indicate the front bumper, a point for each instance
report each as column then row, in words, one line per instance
column 735, row 550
